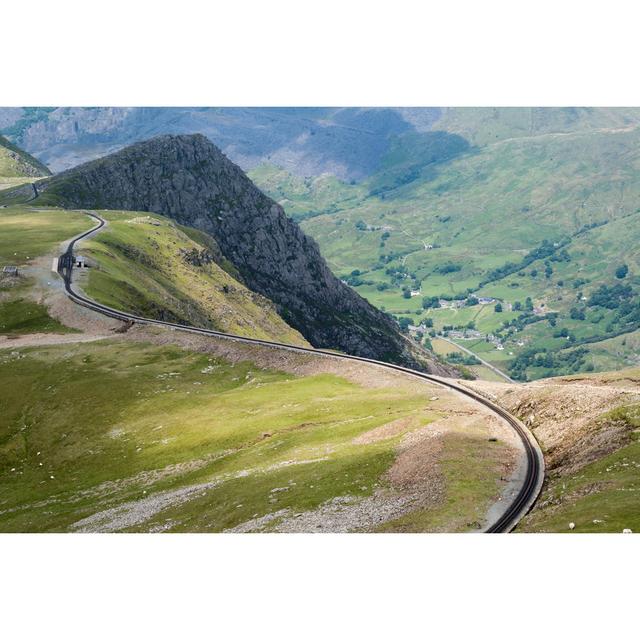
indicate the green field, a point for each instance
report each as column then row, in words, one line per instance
column 25, row 235
column 20, row 316
column 159, row 438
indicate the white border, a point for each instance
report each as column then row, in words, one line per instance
column 281, row 52
column 334, row 52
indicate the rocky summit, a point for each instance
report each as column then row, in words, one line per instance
column 190, row 180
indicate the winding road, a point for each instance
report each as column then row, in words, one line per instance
column 532, row 484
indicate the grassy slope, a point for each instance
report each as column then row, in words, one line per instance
column 85, row 428
column 603, row 495
column 24, row 235
column 142, row 267
column 16, row 163
column 489, row 206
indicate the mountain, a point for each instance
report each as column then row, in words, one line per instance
column 533, row 208
column 188, row 179
column 348, row 143
column 16, row 163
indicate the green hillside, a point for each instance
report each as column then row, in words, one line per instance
column 127, row 436
column 149, row 265
column 539, row 220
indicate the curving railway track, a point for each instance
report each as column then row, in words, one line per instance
column 521, row 503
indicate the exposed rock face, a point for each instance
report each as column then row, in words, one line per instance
column 188, row 179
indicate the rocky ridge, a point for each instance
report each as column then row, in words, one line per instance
column 189, row 179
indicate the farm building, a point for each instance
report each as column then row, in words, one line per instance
column 80, row 262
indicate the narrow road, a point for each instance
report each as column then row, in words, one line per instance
column 475, row 355
column 532, row 484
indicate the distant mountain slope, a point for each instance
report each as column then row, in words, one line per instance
column 188, row 179
column 16, row 163
column 347, row 142
column 485, row 125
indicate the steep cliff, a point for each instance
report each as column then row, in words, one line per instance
column 189, row 179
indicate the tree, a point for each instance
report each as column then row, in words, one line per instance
column 406, row 294
column 498, row 308
column 429, row 303
column 517, row 305
column 528, row 304
column 577, row 314
column 621, row 271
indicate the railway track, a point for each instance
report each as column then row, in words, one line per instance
column 521, row 503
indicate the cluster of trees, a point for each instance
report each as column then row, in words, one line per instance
column 610, row 297
column 564, row 333
column 354, row 279
column 556, row 363
column 546, row 250
column 449, row 267
column 432, row 302
column 622, row 271
column 457, row 357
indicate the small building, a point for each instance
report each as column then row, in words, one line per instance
column 486, row 300
column 80, row 262
column 10, row 271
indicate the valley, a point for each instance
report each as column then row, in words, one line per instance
column 503, row 246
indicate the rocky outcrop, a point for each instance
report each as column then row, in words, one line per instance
column 189, row 179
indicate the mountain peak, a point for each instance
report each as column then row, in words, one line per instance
column 187, row 178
